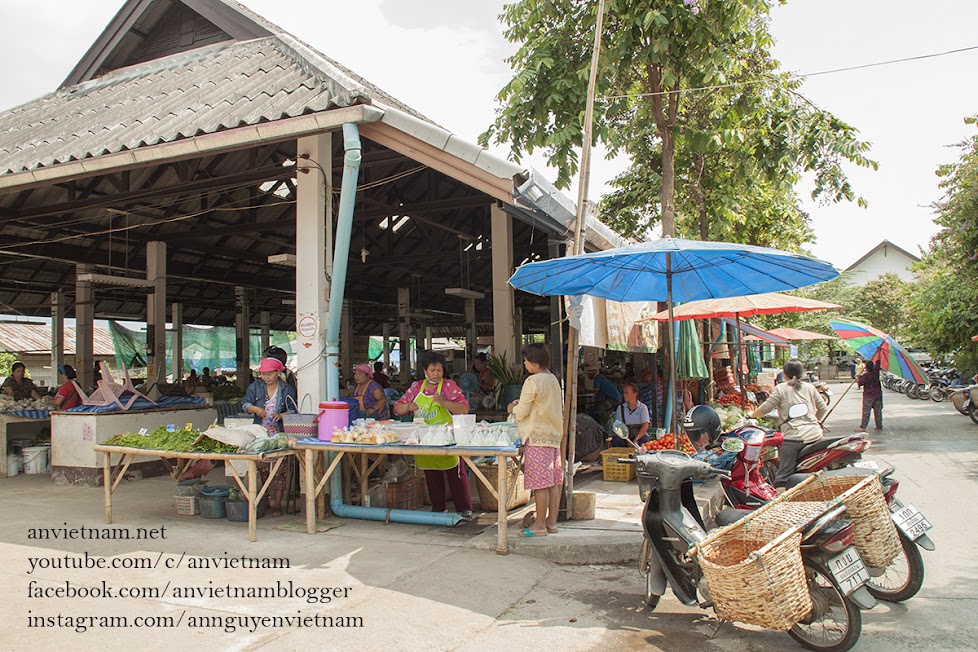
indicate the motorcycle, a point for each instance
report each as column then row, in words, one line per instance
column 961, row 399
column 904, row 576
column 672, row 523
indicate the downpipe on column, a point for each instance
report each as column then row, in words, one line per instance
column 341, row 254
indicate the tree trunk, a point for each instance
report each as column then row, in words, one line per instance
column 668, row 184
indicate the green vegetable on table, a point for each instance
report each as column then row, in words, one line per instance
column 178, row 441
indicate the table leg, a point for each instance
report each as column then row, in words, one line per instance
column 252, row 507
column 310, row 492
column 363, row 478
column 107, row 481
column 502, row 471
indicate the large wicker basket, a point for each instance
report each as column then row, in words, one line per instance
column 755, row 580
column 516, row 494
column 876, row 537
column 406, row 494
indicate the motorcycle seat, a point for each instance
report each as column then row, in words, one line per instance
column 822, row 444
column 729, row 515
column 848, row 470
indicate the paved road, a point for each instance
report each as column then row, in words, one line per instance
column 428, row 589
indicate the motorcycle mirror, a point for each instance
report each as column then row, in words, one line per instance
column 733, row 445
column 797, row 410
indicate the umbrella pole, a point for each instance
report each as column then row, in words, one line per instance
column 674, row 420
column 837, row 401
column 568, row 448
column 740, row 364
column 570, row 411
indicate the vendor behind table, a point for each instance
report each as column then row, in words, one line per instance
column 18, row 385
column 435, row 399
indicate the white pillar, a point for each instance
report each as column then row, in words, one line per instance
column 313, row 255
column 403, row 308
column 242, row 334
column 176, row 319
column 471, row 333
column 84, row 325
column 156, row 321
column 504, row 333
column 57, row 334
column 346, row 342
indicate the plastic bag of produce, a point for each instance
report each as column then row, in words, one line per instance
column 239, row 437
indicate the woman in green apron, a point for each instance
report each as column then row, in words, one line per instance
column 435, row 399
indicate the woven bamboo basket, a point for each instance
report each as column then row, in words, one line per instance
column 781, row 517
column 516, row 494
column 755, row 580
column 876, row 537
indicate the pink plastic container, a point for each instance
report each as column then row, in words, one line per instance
column 332, row 414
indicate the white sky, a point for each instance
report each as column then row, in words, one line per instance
column 445, row 59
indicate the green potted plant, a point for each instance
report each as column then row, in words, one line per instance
column 509, row 379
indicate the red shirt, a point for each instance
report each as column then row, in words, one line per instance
column 68, row 390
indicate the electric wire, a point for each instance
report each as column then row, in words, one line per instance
column 803, row 75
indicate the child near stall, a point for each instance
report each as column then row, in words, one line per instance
column 540, row 415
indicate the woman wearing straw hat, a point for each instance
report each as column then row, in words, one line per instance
column 369, row 393
column 266, row 398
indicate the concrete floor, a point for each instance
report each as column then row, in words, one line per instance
column 419, row 588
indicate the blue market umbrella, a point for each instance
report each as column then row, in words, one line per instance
column 670, row 270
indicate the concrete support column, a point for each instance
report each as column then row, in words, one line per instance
column 314, row 261
column 84, row 329
column 346, row 342
column 404, row 334
column 176, row 319
column 471, row 333
column 266, row 329
column 557, row 342
column 57, row 334
column 387, row 347
column 242, row 327
column 504, row 333
column 518, row 330
column 156, row 320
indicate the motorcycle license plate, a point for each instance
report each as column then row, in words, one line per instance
column 848, row 570
column 911, row 522
column 867, row 464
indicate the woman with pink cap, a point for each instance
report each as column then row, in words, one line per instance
column 266, row 398
column 369, row 393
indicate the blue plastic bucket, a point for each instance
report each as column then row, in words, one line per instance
column 212, row 506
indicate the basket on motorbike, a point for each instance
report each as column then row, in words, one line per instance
column 876, row 537
column 754, row 579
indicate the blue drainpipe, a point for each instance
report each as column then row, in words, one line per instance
column 341, row 255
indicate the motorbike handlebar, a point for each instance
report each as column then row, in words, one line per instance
column 627, row 460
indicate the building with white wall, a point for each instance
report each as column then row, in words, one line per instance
column 884, row 258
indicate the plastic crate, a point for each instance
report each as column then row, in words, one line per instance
column 615, row 471
column 187, row 505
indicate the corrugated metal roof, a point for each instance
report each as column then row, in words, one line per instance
column 36, row 338
column 202, row 91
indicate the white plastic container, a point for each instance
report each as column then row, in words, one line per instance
column 35, row 459
column 13, row 465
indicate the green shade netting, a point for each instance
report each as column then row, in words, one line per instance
column 212, row 347
column 689, row 358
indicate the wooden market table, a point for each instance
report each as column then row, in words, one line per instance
column 184, row 462
column 313, row 447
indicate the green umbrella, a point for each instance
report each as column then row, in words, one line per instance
column 689, row 358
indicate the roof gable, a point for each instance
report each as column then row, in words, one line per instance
column 144, row 30
column 885, row 245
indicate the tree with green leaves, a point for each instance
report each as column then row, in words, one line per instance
column 688, row 90
column 943, row 302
